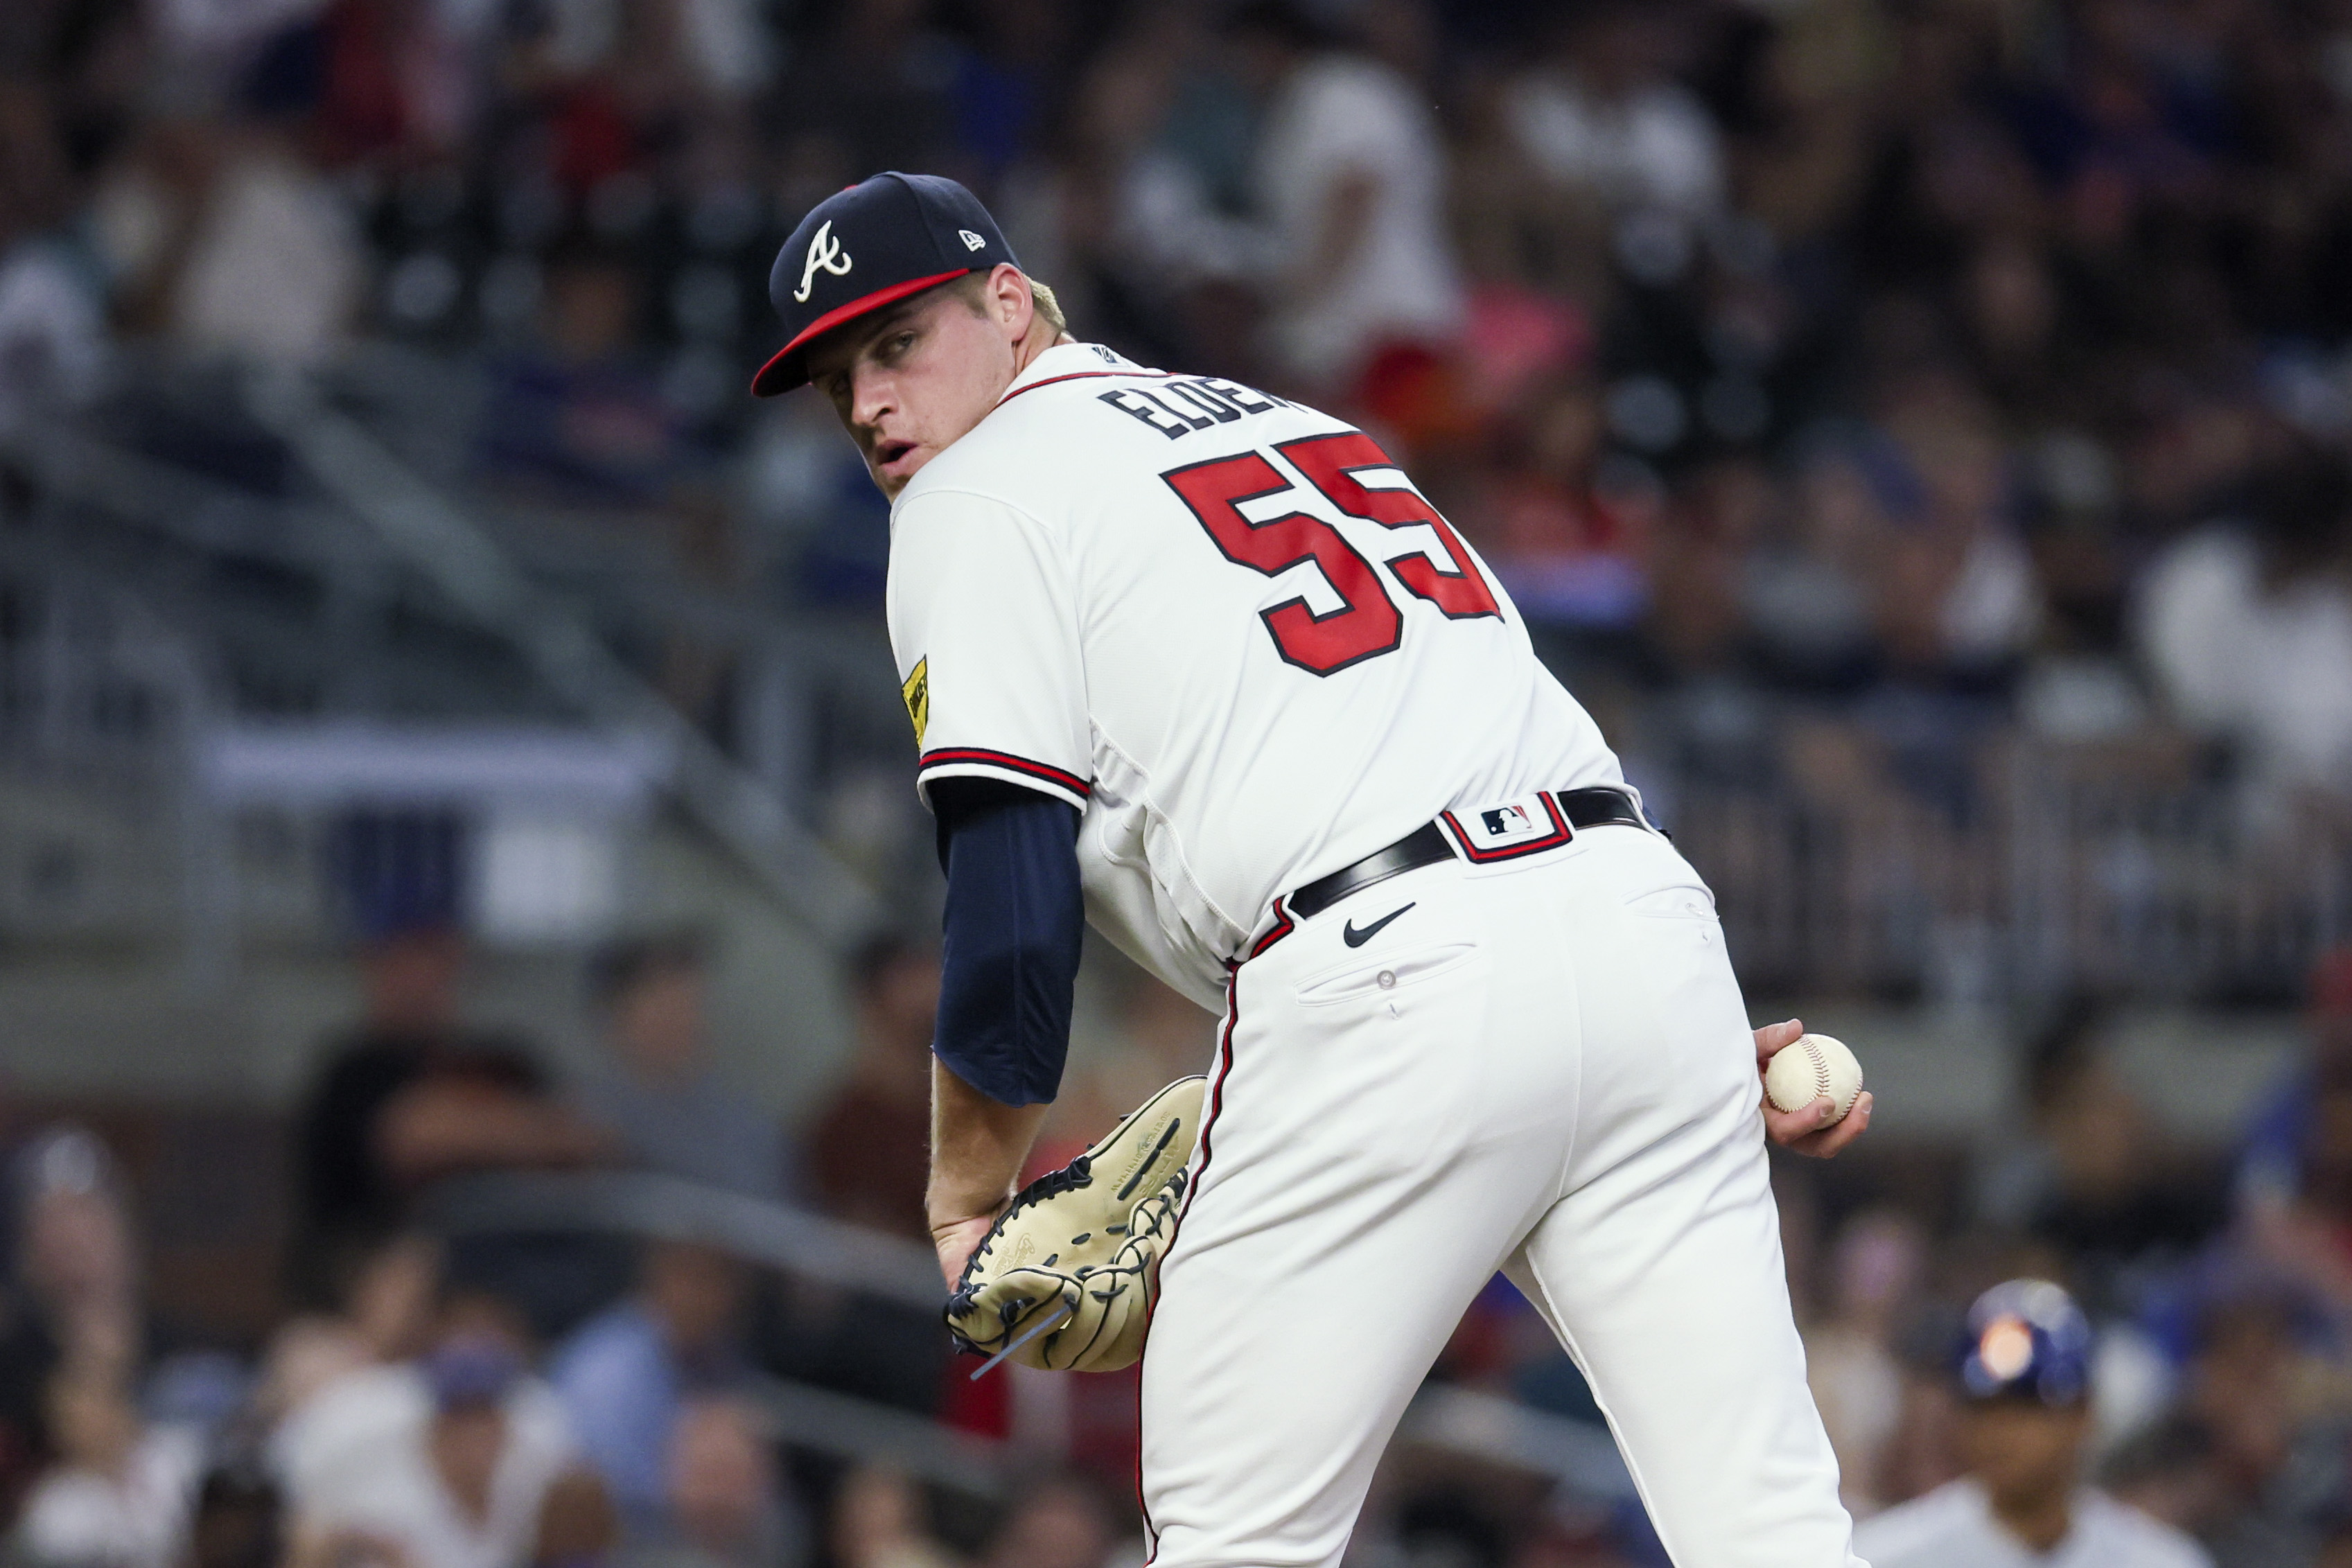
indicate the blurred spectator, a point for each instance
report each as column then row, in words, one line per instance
column 656, row 1091
column 1849, row 1358
column 1351, row 188
column 2269, row 1161
column 2025, row 1371
column 2309, row 1238
column 1571, row 546
column 2244, row 1397
column 869, row 1147
column 2101, row 1184
column 240, row 1522
column 1923, row 1452
column 1062, row 1523
column 728, row 1503
column 413, row 1095
column 391, row 81
column 1685, row 565
column 272, row 269
column 116, row 1488
column 2249, row 633
column 459, row 1458
column 384, row 1300
column 1957, row 587
column 648, row 1382
column 868, row 1154
column 52, row 329
column 1603, row 113
column 878, row 1523
column 578, row 415
column 77, row 1258
column 873, row 89
column 1155, row 234
column 27, row 1362
column 121, row 1492
column 2252, row 1460
column 1003, row 79
column 1806, row 587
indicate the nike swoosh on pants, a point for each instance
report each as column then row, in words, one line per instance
column 1355, row 938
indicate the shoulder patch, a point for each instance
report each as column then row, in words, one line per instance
column 918, row 695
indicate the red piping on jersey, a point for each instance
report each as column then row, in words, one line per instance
column 1208, row 1125
column 1077, row 376
column 1005, row 760
column 1561, row 832
column 1283, row 926
column 764, row 386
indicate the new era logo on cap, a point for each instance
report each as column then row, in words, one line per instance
column 870, row 245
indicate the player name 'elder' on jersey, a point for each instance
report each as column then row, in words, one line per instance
column 1224, row 627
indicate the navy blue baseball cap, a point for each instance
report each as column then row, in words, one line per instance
column 870, row 245
column 2027, row 1339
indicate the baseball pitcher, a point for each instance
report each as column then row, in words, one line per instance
column 1200, row 665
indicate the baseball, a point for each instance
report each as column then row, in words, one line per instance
column 1815, row 1065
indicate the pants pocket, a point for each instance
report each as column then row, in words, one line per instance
column 1361, row 977
column 1687, row 901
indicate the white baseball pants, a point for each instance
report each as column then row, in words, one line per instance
column 1544, row 1067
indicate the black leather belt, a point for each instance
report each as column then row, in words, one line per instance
column 1598, row 806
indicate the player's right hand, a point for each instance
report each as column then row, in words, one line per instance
column 1806, row 1130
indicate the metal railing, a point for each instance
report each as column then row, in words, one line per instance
column 366, row 541
column 1458, row 1421
column 435, row 538
column 2072, row 872
column 670, row 1208
column 100, row 703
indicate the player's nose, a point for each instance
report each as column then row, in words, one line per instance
column 871, row 397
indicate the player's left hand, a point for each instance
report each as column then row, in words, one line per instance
column 1804, row 1130
column 956, row 1240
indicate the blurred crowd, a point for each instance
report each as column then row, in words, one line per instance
column 435, row 1395
column 490, row 1399
column 1840, row 386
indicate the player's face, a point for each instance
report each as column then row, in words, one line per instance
column 916, row 378
column 2023, row 1451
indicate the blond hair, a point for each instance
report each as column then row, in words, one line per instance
column 1049, row 308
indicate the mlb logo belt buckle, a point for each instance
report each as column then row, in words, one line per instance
column 1508, row 829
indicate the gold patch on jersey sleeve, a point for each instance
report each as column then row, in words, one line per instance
column 918, row 693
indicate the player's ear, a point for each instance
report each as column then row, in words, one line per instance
column 1009, row 302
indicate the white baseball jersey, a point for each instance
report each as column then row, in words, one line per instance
column 1953, row 1527
column 1227, row 629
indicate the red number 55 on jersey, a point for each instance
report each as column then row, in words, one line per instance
column 1368, row 623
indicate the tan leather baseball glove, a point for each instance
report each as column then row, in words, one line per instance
column 1067, row 1276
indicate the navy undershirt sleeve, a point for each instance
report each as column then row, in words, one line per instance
column 1015, row 922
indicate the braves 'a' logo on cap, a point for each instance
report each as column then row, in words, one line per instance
column 824, row 251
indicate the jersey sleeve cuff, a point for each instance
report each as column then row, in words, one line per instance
column 975, row 762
